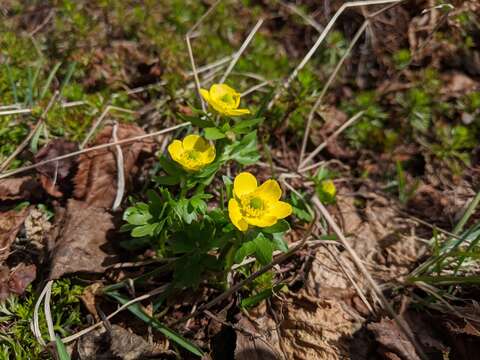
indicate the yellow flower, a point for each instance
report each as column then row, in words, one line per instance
column 328, row 187
column 224, row 100
column 256, row 205
column 193, row 153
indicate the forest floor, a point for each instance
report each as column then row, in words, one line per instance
column 369, row 121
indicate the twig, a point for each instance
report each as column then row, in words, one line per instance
column 333, row 75
column 190, row 51
column 120, row 171
column 320, row 147
column 25, row 142
column 375, row 287
column 319, row 41
column 93, row 148
column 35, row 323
column 241, row 50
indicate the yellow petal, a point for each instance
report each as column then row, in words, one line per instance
column 262, row 221
column 244, row 183
column 238, row 112
column 236, row 216
column 280, row 209
column 270, row 191
column 209, row 155
column 175, row 149
column 205, row 94
column 191, row 141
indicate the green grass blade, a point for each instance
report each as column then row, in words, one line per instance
column 50, row 79
column 470, row 210
column 12, row 83
column 61, row 350
column 70, row 71
column 169, row 333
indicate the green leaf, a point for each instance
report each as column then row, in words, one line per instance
column 248, row 248
column 169, row 333
column 212, row 133
column 246, row 125
column 169, row 166
column 144, row 230
column 279, row 242
column 61, row 350
column 167, row 180
column 196, row 121
column 137, row 215
column 280, row 227
column 263, row 249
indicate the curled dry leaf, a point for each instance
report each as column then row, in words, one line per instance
column 10, row 223
column 16, row 280
column 96, row 179
column 18, row 188
column 394, row 344
column 115, row 343
column 79, row 239
column 54, row 175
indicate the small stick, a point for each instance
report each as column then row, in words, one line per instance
column 376, row 288
column 319, row 41
column 25, row 142
column 320, row 147
column 120, row 171
column 241, row 50
column 93, row 148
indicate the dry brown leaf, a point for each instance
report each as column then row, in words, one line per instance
column 79, row 239
column 53, row 175
column 115, row 343
column 15, row 281
column 17, row 188
column 10, row 223
column 96, row 179
column 88, row 298
column 393, row 340
column 251, row 348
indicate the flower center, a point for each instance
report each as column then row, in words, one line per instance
column 252, row 206
column 228, row 99
column 192, row 155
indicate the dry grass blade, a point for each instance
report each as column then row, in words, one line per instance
column 319, row 41
column 190, row 51
column 375, row 287
column 93, row 148
column 35, row 325
column 98, row 122
column 120, row 171
column 241, row 50
column 25, row 142
column 320, row 147
column 48, row 312
column 318, row 102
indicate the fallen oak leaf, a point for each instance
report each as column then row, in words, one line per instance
column 54, row 174
column 79, row 239
column 16, row 280
column 96, row 178
column 18, row 188
column 393, row 341
column 10, row 223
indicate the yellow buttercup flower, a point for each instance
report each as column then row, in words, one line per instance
column 193, row 152
column 224, row 100
column 328, row 187
column 256, row 205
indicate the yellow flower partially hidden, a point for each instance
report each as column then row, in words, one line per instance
column 256, row 205
column 329, row 188
column 193, row 152
column 224, row 100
